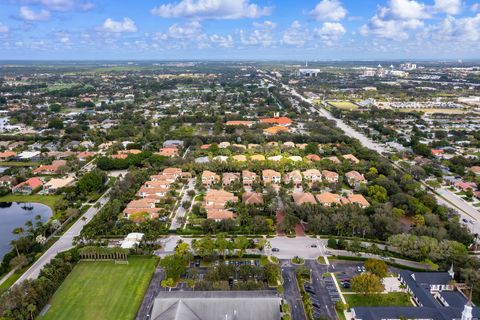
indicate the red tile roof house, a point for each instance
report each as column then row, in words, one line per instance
column 438, row 152
column 313, row 157
column 465, row 185
column 50, row 169
column 271, row 177
column 294, row 177
column 312, row 175
column 330, row 176
column 27, row 187
column 169, row 152
column 209, row 178
column 7, row 155
column 229, row 178
column 252, row 198
column 141, row 206
column 281, row 121
column 475, row 170
column 358, row 199
column 351, row 157
column 355, row 179
column 248, row 177
column 301, row 198
column 214, row 203
column 328, row 199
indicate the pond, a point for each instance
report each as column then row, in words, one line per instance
column 14, row 215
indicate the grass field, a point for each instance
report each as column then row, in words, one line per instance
column 48, row 200
column 392, row 299
column 102, row 290
column 343, row 105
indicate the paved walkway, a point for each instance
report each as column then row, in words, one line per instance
column 181, row 211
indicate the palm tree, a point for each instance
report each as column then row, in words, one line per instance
column 31, row 308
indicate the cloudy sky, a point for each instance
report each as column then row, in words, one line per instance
column 239, row 29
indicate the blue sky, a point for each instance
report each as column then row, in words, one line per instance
column 239, row 29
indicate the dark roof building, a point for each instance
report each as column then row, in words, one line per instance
column 434, row 295
column 216, row 305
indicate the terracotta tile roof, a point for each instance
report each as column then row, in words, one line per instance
column 275, row 130
column 328, row 198
column 239, row 123
column 279, row 120
column 301, row 198
column 358, row 199
column 313, row 157
column 252, row 198
column 33, row 183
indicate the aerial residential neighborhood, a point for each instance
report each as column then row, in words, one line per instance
column 239, row 160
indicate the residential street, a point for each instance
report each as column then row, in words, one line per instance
column 181, row 211
column 65, row 242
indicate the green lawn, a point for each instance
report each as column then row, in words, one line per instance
column 343, row 105
column 392, row 299
column 102, row 290
column 48, row 200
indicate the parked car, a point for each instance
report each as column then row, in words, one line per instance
column 275, row 249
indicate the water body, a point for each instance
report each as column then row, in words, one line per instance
column 14, row 215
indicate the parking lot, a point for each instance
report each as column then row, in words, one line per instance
column 325, row 293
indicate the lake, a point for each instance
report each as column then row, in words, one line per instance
column 14, row 215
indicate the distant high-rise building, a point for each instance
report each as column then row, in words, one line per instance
column 408, row 66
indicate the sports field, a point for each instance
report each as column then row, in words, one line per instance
column 343, row 105
column 102, row 290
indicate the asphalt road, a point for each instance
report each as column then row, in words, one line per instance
column 65, row 242
column 153, row 289
column 292, row 294
column 467, row 212
column 322, row 294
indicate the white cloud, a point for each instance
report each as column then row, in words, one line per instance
column 28, row 14
column 330, row 31
column 405, row 10
column 257, row 37
column 396, row 20
column 3, row 28
column 265, row 24
column 185, row 31
column 222, row 41
column 211, row 9
column 390, row 29
column 457, row 30
column 329, row 10
column 296, row 35
column 62, row 5
column 475, row 7
column 449, row 6
column 126, row 25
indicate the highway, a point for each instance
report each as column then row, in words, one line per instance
column 65, row 242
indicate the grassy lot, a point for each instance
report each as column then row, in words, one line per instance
column 343, row 105
column 102, row 290
column 10, row 281
column 19, row 164
column 48, row 200
column 392, row 299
